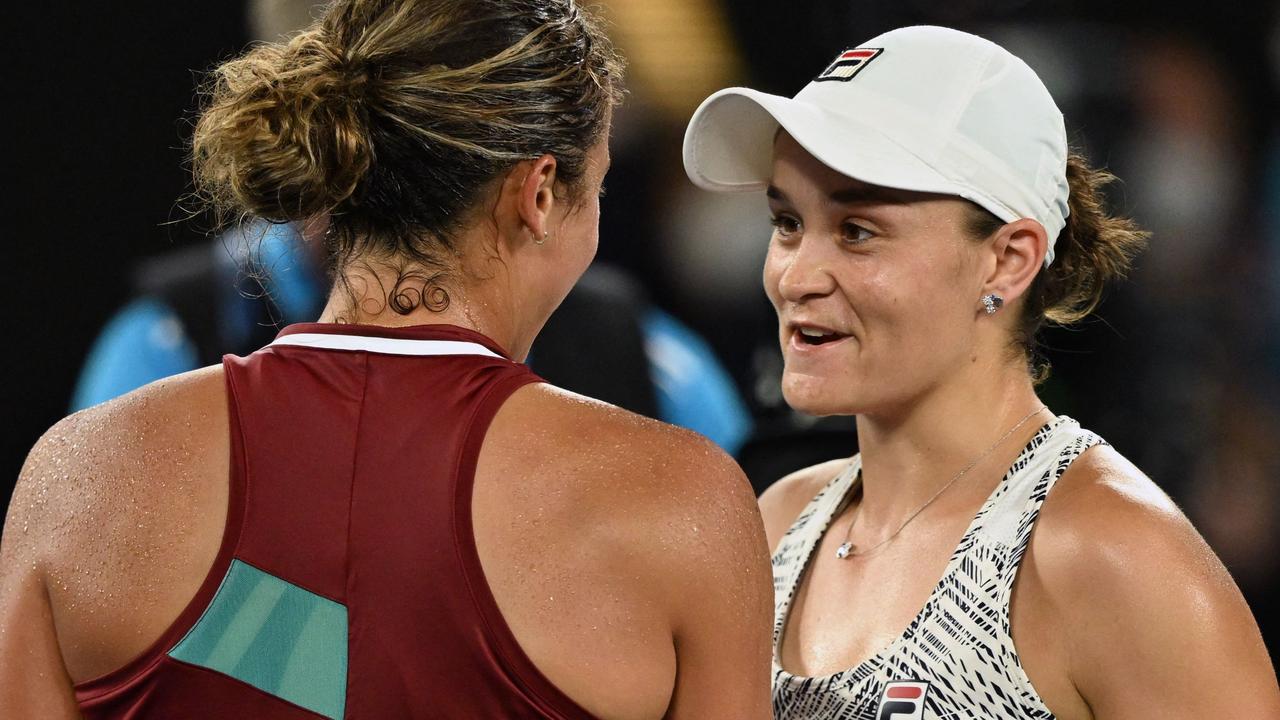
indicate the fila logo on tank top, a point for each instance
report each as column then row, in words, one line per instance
column 903, row 701
column 956, row 659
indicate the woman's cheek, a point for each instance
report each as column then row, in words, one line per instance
column 773, row 267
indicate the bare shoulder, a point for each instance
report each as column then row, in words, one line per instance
column 667, row 495
column 91, row 464
column 611, row 449
column 112, row 496
column 1110, row 531
column 642, row 541
column 1122, row 566
column 1104, row 513
column 785, row 499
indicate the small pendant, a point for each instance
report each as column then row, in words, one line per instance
column 842, row 552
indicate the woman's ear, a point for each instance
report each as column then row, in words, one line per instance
column 1019, row 249
column 536, row 196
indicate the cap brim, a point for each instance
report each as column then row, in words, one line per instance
column 728, row 147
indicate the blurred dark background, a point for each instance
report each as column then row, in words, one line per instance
column 1180, row 370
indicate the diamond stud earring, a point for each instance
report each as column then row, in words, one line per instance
column 992, row 303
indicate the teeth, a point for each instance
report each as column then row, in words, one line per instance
column 810, row 332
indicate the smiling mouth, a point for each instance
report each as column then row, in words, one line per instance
column 811, row 336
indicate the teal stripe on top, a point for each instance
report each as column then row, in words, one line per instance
column 276, row 636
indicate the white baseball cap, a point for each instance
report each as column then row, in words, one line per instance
column 919, row 108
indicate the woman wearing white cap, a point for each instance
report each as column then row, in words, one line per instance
column 928, row 219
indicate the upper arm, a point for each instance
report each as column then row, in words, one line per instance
column 143, row 342
column 1158, row 628
column 722, row 598
column 784, row 500
column 33, row 678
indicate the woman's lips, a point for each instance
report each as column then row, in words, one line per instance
column 811, row 340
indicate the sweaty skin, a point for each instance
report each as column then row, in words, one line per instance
column 627, row 556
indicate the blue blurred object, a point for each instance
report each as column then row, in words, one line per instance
column 693, row 390
column 143, row 342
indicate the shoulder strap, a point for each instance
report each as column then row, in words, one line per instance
column 801, row 539
column 1076, row 442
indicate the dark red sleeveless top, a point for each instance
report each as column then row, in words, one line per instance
column 347, row 584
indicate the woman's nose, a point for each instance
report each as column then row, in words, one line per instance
column 805, row 272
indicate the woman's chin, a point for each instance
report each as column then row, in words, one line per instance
column 814, row 395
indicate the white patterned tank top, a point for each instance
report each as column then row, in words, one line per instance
column 956, row 660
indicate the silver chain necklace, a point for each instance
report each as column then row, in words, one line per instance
column 846, row 548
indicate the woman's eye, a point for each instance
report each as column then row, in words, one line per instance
column 854, row 233
column 784, row 225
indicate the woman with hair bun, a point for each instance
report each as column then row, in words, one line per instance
column 981, row 556
column 384, row 514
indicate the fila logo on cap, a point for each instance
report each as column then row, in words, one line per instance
column 903, row 700
column 849, row 63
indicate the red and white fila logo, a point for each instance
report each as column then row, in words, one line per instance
column 849, row 63
column 903, row 700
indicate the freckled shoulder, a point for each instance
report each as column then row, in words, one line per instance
column 674, row 518
column 784, row 500
column 126, row 458
column 607, row 448
column 651, row 485
column 119, row 504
